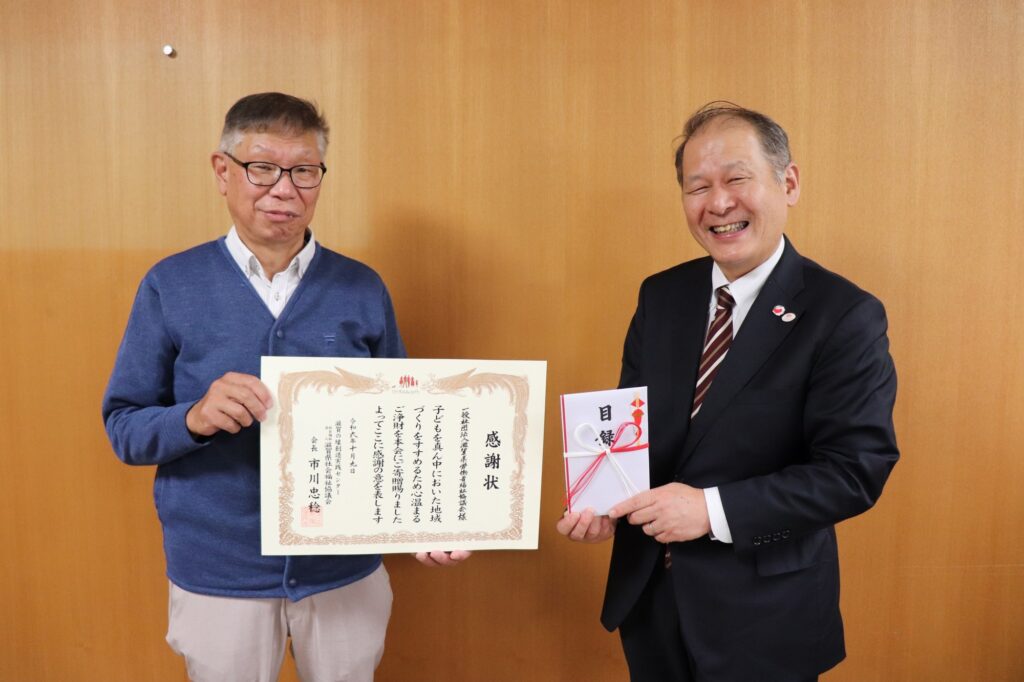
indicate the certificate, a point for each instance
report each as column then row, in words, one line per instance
column 368, row 456
column 605, row 444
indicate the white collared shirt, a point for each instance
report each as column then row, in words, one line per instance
column 744, row 291
column 274, row 292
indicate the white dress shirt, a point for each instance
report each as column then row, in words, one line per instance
column 274, row 292
column 744, row 290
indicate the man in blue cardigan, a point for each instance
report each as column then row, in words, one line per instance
column 184, row 396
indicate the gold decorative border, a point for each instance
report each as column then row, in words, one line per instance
column 292, row 383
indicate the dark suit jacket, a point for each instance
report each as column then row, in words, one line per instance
column 796, row 431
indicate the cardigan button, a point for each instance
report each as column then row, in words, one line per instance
column 279, row 333
column 292, row 582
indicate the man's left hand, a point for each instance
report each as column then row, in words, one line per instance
column 674, row 512
column 442, row 558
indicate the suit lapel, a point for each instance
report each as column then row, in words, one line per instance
column 688, row 328
column 685, row 320
column 758, row 338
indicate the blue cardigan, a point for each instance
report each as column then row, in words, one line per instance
column 196, row 317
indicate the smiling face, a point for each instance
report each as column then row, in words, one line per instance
column 734, row 202
column 269, row 219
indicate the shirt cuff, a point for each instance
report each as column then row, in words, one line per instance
column 716, row 514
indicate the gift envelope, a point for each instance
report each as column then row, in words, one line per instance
column 605, row 443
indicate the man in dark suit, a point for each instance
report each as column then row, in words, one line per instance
column 771, row 392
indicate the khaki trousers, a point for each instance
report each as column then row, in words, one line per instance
column 336, row 635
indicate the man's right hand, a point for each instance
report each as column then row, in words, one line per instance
column 230, row 404
column 585, row 526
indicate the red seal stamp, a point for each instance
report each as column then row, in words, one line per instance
column 311, row 517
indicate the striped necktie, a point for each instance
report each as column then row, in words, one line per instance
column 716, row 346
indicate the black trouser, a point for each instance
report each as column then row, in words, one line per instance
column 652, row 638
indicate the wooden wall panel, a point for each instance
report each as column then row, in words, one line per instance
column 507, row 167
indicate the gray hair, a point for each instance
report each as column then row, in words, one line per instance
column 274, row 111
column 774, row 141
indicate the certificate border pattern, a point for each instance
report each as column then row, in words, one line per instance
column 291, row 384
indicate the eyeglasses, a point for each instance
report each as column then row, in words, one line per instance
column 266, row 174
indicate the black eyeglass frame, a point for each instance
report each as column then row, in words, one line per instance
column 281, row 171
